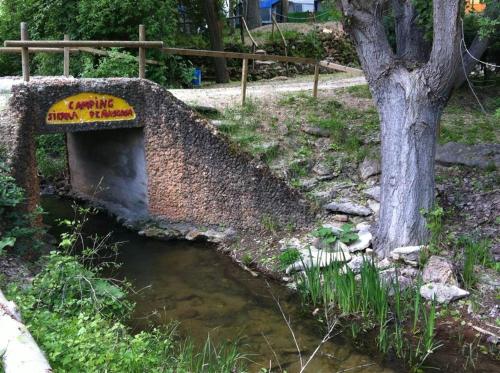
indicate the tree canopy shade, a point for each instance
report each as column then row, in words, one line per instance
column 410, row 86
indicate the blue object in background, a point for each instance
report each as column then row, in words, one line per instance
column 196, row 77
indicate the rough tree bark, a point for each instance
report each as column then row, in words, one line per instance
column 410, row 37
column 18, row 350
column 214, row 23
column 410, row 103
column 253, row 18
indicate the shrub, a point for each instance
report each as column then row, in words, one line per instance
column 288, row 257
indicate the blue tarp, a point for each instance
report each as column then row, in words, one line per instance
column 266, row 4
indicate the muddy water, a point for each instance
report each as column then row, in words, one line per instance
column 207, row 293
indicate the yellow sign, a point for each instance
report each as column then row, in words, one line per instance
column 90, row 107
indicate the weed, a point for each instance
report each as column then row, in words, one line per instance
column 247, row 259
column 269, row 223
column 288, row 257
column 434, row 220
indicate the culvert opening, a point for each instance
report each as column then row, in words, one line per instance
column 109, row 166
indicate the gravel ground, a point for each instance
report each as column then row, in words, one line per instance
column 221, row 98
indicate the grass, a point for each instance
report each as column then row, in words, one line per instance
column 368, row 302
column 475, row 252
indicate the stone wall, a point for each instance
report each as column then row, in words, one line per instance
column 194, row 174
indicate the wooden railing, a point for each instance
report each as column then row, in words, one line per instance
column 68, row 47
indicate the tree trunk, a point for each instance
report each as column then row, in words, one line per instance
column 411, row 44
column 211, row 13
column 408, row 136
column 18, row 350
column 253, row 14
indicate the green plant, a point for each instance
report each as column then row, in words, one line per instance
column 18, row 231
column 270, row 223
column 288, row 257
column 346, row 234
column 474, row 253
column 247, row 259
column 434, row 221
column 51, row 156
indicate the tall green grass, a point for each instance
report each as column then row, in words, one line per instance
column 374, row 303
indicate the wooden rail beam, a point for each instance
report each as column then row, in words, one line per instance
column 237, row 55
column 12, row 50
column 336, row 66
column 82, row 43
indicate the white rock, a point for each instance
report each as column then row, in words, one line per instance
column 442, row 293
column 407, row 254
column 312, row 257
column 363, row 226
column 369, row 167
column 363, row 242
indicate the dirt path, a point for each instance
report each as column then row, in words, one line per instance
column 229, row 95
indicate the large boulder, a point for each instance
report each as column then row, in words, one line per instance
column 478, row 155
column 439, row 270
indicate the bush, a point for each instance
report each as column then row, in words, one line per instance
column 17, row 229
column 77, row 319
column 51, row 156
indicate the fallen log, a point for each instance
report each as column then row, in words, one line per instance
column 18, row 350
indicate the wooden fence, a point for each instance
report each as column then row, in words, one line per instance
column 68, row 47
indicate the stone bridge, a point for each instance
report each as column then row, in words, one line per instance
column 142, row 154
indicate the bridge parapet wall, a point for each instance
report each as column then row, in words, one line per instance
column 193, row 174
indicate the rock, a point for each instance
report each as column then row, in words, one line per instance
column 292, row 243
column 478, row 155
column 315, row 131
column 335, row 228
column 308, row 184
column 160, row 233
column 348, row 207
column 373, row 193
column 363, row 226
column 442, row 293
column 408, row 254
column 357, row 262
column 439, row 269
column 341, row 218
column 369, row 167
column 322, row 169
column 363, row 242
column 312, row 257
column 374, row 206
column 211, row 235
column 325, row 195
column 384, row 264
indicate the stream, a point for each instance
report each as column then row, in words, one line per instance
column 208, row 294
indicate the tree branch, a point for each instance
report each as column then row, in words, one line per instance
column 445, row 55
column 410, row 37
column 364, row 21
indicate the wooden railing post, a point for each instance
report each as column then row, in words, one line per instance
column 316, row 79
column 66, row 58
column 142, row 53
column 244, row 76
column 25, row 58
